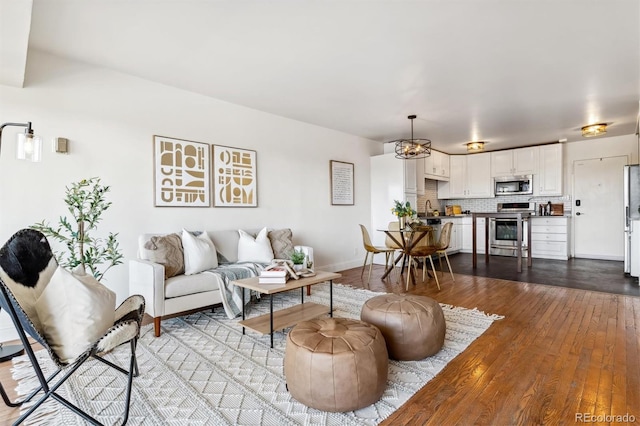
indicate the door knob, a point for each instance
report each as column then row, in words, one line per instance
column 578, row 214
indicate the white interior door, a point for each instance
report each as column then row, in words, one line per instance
column 598, row 221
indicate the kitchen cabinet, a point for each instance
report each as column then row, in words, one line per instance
column 548, row 181
column 410, row 177
column 436, row 166
column 467, row 234
column 514, row 162
column 550, row 237
column 469, row 177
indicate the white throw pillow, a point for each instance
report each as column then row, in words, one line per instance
column 75, row 311
column 199, row 253
column 256, row 249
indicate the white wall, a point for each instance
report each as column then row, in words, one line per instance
column 110, row 118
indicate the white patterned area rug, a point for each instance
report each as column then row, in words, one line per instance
column 203, row 371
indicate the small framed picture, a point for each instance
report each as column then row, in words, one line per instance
column 234, row 177
column 341, row 174
column 181, row 171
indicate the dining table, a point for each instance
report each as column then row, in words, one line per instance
column 409, row 237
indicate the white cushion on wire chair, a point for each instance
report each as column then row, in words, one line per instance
column 75, row 311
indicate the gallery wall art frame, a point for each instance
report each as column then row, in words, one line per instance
column 235, row 177
column 342, row 185
column 181, row 173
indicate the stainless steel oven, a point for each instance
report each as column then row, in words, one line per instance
column 503, row 232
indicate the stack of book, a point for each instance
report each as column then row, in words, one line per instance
column 273, row 275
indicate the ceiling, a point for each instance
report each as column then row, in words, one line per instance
column 510, row 72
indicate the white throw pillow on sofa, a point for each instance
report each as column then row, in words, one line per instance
column 256, row 249
column 75, row 311
column 199, row 253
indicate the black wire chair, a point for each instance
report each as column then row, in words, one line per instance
column 24, row 259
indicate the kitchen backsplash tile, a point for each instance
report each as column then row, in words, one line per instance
column 491, row 204
column 482, row 204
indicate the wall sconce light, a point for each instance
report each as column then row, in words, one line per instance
column 594, row 130
column 29, row 146
column 477, row 146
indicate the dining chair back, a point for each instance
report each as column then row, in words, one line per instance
column 393, row 226
column 370, row 248
column 443, row 245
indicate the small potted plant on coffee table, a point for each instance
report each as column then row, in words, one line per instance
column 298, row 257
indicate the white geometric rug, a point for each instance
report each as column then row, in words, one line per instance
column 203, row 371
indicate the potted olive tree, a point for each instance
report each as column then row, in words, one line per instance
column 86, row 202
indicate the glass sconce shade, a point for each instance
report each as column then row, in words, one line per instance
column 29, row 147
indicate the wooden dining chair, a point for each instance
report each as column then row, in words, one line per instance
column 421, row 251
column 442, row 245
column 370, row 248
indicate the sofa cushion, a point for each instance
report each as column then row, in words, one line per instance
column 183, row 285
column 166, row 250
column 281, row 243
column 256, row 249
column 199, row 253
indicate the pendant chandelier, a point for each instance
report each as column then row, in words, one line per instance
column 409, row 149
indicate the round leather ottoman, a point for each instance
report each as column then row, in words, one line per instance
column 336, row 364
column 413, row 326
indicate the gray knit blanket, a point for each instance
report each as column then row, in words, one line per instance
column 231, row 294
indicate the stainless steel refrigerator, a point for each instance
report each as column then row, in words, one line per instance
column 632, row 220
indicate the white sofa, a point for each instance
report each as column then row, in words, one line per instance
column 183, row 293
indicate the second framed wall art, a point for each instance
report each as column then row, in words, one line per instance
column 234, row 177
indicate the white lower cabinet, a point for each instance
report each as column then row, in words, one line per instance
column 467, row 234
column 550, row 237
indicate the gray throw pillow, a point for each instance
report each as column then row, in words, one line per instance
column 167, row 250
column 281, row 243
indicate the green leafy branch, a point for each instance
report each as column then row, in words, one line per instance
column 86, row 203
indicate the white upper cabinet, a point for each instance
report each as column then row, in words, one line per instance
column 470, row 177
column 514, row 162
column 548, row 181
column 478, row 177
column 436, row 166
column 410, row 177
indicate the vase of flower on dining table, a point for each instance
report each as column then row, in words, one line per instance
column 402, row 211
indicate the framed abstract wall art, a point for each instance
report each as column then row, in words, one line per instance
column 341, row 183
column 234, row 177
column 181, row 170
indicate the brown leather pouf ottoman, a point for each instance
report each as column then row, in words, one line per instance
column 413, row 326
column 336, row 364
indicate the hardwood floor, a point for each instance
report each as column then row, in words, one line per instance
column 558, row 353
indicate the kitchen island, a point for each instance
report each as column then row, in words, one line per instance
column 519, row 217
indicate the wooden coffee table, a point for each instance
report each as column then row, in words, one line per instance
column 290, row 316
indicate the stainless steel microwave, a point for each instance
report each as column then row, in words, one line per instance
column 513, row 185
